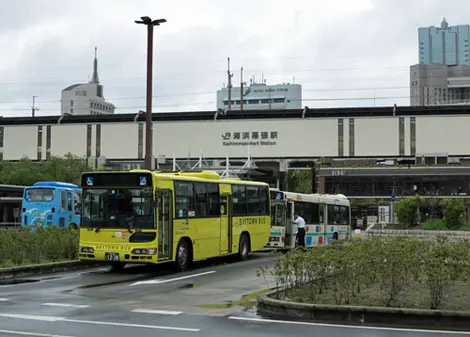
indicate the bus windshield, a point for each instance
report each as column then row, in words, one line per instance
column 118, row 208
column 39, row 194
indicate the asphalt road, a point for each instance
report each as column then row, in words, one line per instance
column 143, row 301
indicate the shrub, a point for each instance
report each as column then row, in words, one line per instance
column 392, row 267
column 407, row 211
column 51, row 244
column 453, row 213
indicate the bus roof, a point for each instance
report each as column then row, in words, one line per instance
column 54, row 184
column 315, row 197
column 195, row 176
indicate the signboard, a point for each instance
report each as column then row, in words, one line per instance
column 90, row 180
column 276, row 195
column 251, row 138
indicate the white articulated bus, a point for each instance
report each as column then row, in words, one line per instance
column 327, row 218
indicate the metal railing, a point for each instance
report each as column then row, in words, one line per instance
column 10, row 225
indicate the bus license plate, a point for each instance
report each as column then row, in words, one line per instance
column 111, row 256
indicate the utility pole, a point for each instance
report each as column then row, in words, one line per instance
column 230, row 75
column 33, row 108
column 148, row 121
column 241, row 89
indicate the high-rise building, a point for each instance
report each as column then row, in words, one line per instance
column 442, row 75
column 444, row 45
column 260, row 96
column 86, row 98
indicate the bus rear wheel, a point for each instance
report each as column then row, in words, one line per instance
column 183, row 256
column 243, row 247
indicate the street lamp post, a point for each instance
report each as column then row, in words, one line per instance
column 145, row 20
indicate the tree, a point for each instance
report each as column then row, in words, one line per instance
column 453, row 213
column 300, row 181
column 26, row 172
column 407, row 211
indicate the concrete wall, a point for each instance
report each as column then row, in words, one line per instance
column 273, row 138
column 418, row 234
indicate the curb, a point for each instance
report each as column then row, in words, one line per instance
column 397, row 317
column 41, row 269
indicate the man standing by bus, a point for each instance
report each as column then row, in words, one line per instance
column 300, row 229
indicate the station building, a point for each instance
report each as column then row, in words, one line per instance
column 359, row 152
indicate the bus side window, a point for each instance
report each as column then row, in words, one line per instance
column 63, row 200
column 69, row 201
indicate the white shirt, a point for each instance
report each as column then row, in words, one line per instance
column 300, row 222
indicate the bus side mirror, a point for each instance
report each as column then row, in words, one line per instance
column 53, row 209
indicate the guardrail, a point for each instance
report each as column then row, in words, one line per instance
column 10, row 225
column 417, row 233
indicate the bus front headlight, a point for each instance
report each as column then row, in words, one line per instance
column 144, row 251
column 87, row 250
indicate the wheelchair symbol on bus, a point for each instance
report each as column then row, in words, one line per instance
column 89, row 181
column 143, row 181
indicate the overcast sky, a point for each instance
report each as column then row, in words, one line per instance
column 337, row 49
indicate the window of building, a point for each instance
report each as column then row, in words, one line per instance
column 71, row 103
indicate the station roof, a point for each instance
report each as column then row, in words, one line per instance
column 405, row 111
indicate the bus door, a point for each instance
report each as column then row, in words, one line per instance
column 164, row 223
column 225, row 224
column 63, row 209
column 291, row 227
column 278, row 224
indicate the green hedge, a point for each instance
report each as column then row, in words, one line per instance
column 21, row 246
column 389, row 272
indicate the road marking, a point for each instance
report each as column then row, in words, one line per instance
column 172, row 279
column 262, row 320
column 65, row 319
column 4, row 299
column 34, row 317
column 65, row 305
column 24, row 333
column 157, row 312
column 160, row 327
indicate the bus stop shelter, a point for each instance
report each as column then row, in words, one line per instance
column 10, row 204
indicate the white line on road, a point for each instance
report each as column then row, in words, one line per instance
column 172, row 279
column 4, row 299
column 65, row 305
column 65, row 319
column 130, row 325
column 25, row 333
column 33, row 317
column 342, row 326
column 157, row 312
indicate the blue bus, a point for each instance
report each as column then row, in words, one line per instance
column 49, row 203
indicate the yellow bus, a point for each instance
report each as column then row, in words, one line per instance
column 142, row 216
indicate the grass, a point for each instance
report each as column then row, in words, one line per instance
column 439, row 224
column 245, row 301
column 415, row 296
column 9, row 264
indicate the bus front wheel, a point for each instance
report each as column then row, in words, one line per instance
column 117, row 266
column 243, row 247
column 183, row 256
